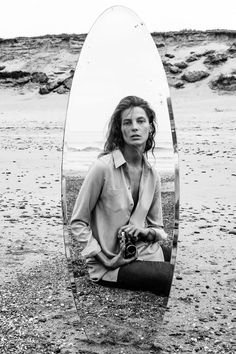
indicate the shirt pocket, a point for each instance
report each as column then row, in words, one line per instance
column 114, row 199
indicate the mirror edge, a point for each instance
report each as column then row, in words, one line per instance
column 177, row 190
column 67, row 240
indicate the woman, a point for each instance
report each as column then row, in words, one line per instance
column 121, row 195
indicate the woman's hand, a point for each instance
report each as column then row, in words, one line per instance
column 135, row 232
column 117, row 261
column 144, row 234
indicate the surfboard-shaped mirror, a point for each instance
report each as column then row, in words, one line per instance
column 119, row 175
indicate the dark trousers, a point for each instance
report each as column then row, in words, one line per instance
column 144, row 275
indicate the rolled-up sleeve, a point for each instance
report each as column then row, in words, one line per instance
column 84, row 205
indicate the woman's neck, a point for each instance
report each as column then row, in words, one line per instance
column 133, row 155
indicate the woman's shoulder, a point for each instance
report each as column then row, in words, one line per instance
column 105, row 159
column 101, row 164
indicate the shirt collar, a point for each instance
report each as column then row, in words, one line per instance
column 119, row 159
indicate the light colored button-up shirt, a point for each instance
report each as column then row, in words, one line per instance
column 105, row 203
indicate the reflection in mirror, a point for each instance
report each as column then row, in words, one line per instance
column 121, row 199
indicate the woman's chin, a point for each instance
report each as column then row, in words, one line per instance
column 136, row 146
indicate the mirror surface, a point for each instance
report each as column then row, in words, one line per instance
column 118, row 59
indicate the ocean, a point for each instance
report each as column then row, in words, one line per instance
column 82, row 148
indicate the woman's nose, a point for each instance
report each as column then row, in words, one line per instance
column 134, row 126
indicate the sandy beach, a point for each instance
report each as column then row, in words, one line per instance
column 38, row 314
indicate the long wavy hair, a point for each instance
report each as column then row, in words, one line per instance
column 114, row 134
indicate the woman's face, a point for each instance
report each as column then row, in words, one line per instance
column 135, row 126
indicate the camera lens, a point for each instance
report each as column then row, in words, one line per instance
column 130, row 250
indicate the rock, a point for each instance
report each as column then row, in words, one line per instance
column 61, row 89
column 157, row 346
column 181, row 65
column 232, row 232
column 39, row 77
column 15, row 75
column 179, row 84
column 59, row 72
column 232, row 48
column 224, row 82
column 167, row 67
column 68, row 82
column 22, row 80
column 175, row 70
column 168, row 55
column 42, row 319
column 214, row 59
column 2, row 67
column 56, row 86
column 193, row 76
column 191, row 58
column 53, row 85
column 7, row 81
column 43, row 90
column 160, row 45
column 207, row 52
column 166, row 63
column 15, row 78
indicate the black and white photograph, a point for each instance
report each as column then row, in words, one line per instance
column 117, row 177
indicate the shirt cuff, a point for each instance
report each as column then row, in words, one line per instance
column 160, row 233
column 92, row 249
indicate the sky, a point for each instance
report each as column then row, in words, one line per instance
column 39, row 17
column 124, row 62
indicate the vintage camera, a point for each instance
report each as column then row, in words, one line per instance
column 127, row 240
